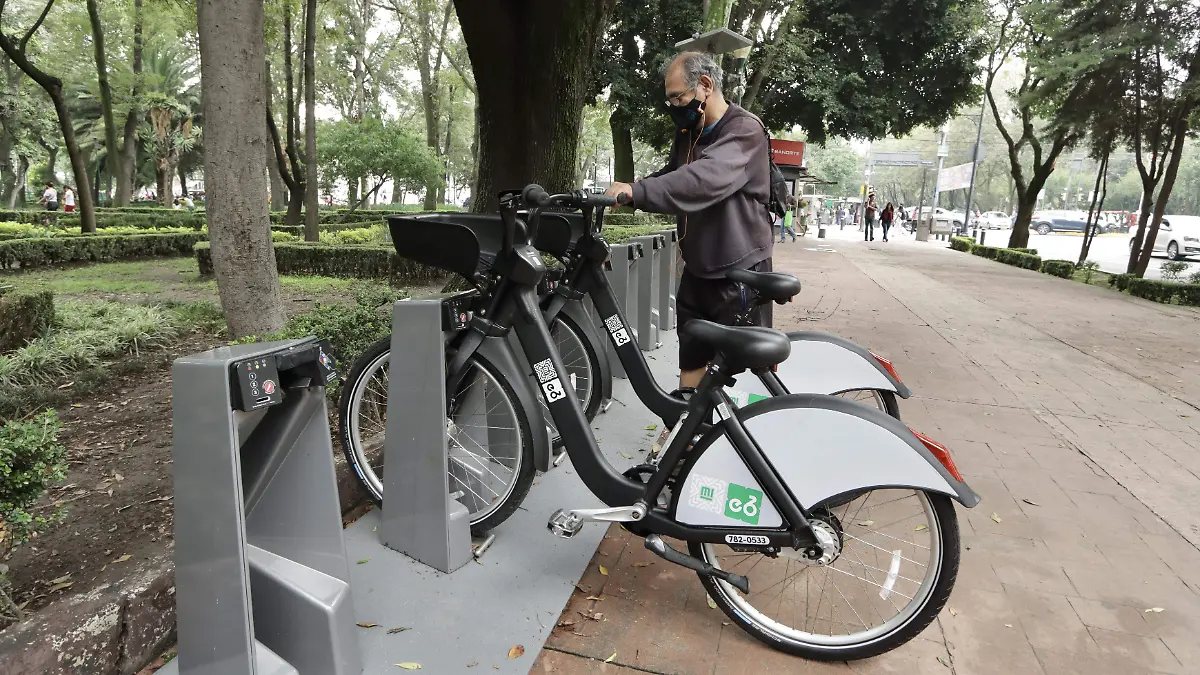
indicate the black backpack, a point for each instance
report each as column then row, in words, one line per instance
column 777, row 202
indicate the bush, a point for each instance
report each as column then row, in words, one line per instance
column 1059, row 268
column 354, row 262
column 984, row 251
column 26, row 253
column 9, row 231
column 24, row 317
column 1089, row 269
column 31, row 459
column 961, row 243
column 1018, row 259
column 1194, row 278
column 1120, row 281
column 1030, row 251
column 1173, row 269
column 349, row 329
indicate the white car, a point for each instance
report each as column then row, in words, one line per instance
column 993, row 220
column 1178, row 237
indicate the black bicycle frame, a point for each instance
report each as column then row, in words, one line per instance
column 521, row 307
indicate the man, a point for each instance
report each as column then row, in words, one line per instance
column 717, row 183
column 869, row 217
column 787, row 221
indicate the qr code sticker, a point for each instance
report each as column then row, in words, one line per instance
column 544, row 371
column 613, row 324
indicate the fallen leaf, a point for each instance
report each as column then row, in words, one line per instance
column 651, row 427
column 603, row 570
column 1008, row 625
column 1155, row 610
column 609, row 659
column 953, row 612
column 598, row 616
column 920, row 528
column 626, row 455
column 996, row 518
column 118, row 477
column 642, row 564
column 364, row 561
column 1030, row 502
column 943, row 662
column 408, row 665
column 867, row 523
column 712, row 604
column 516, row 652
column 566, row 624
column 366, row 624
column 594, row 597
column 60, row 579
column 59, row 587
column 123, row 558
column 401, row 629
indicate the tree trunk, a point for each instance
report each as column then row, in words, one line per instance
column 1026, row 202
column 1089, row 230
column 1144, row 204
column 111, row 151
column 51, row 162
column 279, row 192
column 543, row 48
column 312, row 203
column 162, row 183
column 475, row 151
column 623, row 168
column 8, row 175
column 231, row 65
column 183, row 188
column 1164, row 194
column 126, row 168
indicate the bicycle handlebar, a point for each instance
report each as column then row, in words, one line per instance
column 534, row 195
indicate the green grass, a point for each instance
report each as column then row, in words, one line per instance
column 1098, row 278
column 117, row 277
column 311, row 284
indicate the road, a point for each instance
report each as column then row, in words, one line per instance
column 1110, row 250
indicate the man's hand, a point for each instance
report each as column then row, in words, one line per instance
column 622, row 191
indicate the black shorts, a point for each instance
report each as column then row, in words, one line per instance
column 716, row 300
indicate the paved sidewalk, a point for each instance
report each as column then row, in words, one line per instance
column 1073, row 411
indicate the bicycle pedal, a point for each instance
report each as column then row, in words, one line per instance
column 563, row 524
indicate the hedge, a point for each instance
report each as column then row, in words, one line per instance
column 984, row 251
column 1059, row 268
column 96, row 248
column 1017, row 259
column 355, row 262
column 23, row 317
column 962, row 243
column 1164, row 291
column 1030, row 251
column 1120, row 281
column 144, row 219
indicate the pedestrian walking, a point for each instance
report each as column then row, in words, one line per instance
column 886, row 217
column 68, row 199
column 872, row 208
column 787, row 221
column 49, row 198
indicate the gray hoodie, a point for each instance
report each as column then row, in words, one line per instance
column 719, row 198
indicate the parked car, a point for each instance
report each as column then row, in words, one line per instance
column 993, row 220
column 1045, row 222
column 1178, row 237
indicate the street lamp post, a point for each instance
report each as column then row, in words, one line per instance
column 974, row 166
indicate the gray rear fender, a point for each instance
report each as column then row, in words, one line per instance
column 822, row 447
column 823, row 363
column 496, row 350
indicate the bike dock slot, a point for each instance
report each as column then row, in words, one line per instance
column 261, row 574
column 421, row 518
column 648, row 319
column 667, row 280
column 621, row 269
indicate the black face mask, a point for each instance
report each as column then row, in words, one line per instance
column 687, row 116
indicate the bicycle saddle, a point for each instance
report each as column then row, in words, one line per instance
column 744, row 347
column 771, row 285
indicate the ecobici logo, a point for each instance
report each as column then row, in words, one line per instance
column 619, row 334
column 734, row 501
column 743, row 503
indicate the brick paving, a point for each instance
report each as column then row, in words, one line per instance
column 1073, row 411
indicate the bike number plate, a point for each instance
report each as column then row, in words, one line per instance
column 747, row 539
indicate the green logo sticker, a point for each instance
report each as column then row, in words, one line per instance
column 706, row 493
column 743, row 503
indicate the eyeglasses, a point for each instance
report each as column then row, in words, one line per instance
column 677, row 99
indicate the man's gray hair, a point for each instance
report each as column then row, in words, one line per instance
column 694, row 64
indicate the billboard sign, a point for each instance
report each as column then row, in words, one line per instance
column 955, row 177
column 896, row 159
column 787, row 153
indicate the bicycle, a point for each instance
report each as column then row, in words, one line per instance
column 791, row 480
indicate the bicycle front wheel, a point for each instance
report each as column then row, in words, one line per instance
column 490, row 447
column 894, row 570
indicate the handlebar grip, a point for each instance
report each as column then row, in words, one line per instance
column 623, row 199
column 534, row 195
column 603, row 200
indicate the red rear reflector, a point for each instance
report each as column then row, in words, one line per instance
column 887, row 365
column 940, row 451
